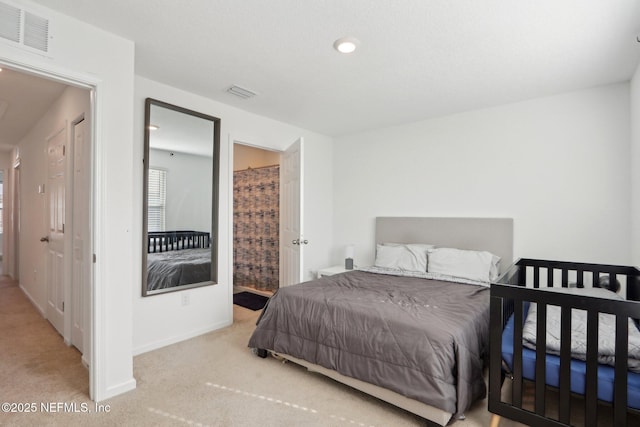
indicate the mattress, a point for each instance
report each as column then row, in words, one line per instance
column 578, row 370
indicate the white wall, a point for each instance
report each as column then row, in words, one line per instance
column 79, row 52
column 558, row 165
column 189, row 183
column 245, row 157
column 162, row 319
column 634, row 160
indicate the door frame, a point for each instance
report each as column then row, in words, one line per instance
column 233, row 139
column 97, row 301
column 15, row 221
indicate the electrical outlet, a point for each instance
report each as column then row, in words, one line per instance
column 185, row 298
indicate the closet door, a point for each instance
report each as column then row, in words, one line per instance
column 291, row 230
column 55, row 229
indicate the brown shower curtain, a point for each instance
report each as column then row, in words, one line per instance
column 256, row 227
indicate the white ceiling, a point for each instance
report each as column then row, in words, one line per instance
column 26, row 98
column 417, row 58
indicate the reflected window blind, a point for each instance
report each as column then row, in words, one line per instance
column 157, row 199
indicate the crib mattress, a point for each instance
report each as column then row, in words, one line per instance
column 578, row 370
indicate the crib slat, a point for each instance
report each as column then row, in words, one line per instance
column 516, row 393
column 536, row 277
column 591, row 395
column 550, row 277
column 495, row 369
column 580, row 279
column 565, row 365
column 565, row 278
column 541, row 358
column 612, row 281
column 620, row 392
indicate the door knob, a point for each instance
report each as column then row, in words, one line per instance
column 44, row 239
column 295, row 242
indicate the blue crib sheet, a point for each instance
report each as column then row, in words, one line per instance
column 578, row 370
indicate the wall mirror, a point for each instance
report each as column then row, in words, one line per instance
column 180, row 198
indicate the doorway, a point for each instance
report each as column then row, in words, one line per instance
column 256, row 219
column 51, row 116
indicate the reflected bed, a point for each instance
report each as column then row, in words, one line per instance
column 177, row 258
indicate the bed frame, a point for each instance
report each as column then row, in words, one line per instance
column 492, row 234
column 163, row 241
column 525, row 281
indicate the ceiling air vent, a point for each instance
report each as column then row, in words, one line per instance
column 24, row 28
column 241, row 92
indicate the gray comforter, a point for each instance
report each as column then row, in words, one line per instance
column 174, row 268
column 421, row 338
column 606, row 330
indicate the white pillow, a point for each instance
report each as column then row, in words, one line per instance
column 401, row 257
column 473, row 265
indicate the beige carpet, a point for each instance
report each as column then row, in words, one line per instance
column 211, row 380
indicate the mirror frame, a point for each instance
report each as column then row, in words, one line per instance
column 215, row 207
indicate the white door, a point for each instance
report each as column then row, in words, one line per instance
column 80, row 230
column 55, row 190
column 291, row 234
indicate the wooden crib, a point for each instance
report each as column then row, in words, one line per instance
column 561, row 375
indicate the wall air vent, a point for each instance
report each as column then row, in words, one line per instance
column 241, row 92
column 36, row 32
column 24, row 28
column 10, row 18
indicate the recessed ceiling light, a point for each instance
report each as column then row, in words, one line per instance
column 346, row 44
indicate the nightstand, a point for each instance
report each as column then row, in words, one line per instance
column 330, row 271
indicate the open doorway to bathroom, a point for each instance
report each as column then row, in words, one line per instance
column 256, row 220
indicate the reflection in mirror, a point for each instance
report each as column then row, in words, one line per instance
column 180, row 224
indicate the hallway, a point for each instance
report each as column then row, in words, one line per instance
column 34, row 360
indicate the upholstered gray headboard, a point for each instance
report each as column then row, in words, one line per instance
column 481, row 234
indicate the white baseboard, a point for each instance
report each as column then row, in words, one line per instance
column 35, row 304
column 117, row 389
column 85, row 361
column 172, row 340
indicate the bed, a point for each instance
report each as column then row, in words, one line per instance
column 176, row 258
column 593, row 352
column 416, row 340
